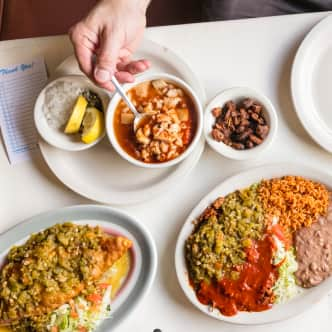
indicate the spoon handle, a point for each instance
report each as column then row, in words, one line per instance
column 124, row 96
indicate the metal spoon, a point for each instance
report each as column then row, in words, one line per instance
column 138, row 116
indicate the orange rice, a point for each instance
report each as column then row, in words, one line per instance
column 295, row 200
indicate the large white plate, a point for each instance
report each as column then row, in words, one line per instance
column 100, row 173
column 144, row 254
column 242, row 180
column 311, row 83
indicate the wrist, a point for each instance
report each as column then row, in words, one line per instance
column 141, row 5
column 145, row 4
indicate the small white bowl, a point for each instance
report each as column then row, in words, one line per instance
column 57, row 137
column 237, row 94
column 149, row 77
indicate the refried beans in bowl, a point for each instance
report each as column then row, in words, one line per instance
column 169, row 132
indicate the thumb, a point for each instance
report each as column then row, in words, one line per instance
column 107, row 57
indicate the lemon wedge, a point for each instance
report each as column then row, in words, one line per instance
column 76, row 117
column 93, row 125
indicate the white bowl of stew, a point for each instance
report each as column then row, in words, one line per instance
column 171, row 130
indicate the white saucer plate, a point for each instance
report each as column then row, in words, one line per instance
column 99, row 173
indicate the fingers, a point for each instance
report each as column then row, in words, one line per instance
column 124, row 54
column 134, row 67
column 108, row 54
column 124, row 77
column 84, row 57
column 84, row 42
column 127, row 70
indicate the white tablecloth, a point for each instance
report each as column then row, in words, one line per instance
column 256, row 53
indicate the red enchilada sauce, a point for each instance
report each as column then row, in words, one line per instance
column 252, row 291
column 127, row 137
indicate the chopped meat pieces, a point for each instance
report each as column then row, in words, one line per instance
column 142, row 90
column 166, row 132
column 217, row 135
column 159, row 85
column 240, row 125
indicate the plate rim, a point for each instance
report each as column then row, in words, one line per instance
column 196, row 155
column 295, row 78
column 157, row 188
column 146, row 276
column 179, row 260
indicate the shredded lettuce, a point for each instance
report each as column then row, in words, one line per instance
column 87, row 315
column 285, row 287
column 280, row 253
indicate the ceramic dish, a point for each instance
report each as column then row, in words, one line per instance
column 237, row 94
column 311, row 79
column 278, row 312
column 56, row 137
column 144, row 262
column 98, row 173
column 150, row 77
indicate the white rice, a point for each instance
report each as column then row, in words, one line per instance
column 59, row 102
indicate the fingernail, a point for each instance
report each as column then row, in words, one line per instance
column 102, row 75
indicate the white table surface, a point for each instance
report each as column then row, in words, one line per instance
column 256, row 53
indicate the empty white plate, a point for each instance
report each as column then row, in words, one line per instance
column 311, row 83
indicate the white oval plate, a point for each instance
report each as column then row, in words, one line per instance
column 141, row 276
column 242, row 180
column 100, row 173
column 311, row 82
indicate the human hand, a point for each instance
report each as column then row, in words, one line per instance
column 107, row 37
